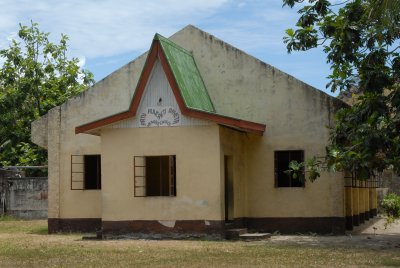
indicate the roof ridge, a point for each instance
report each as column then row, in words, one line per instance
column 161, row 38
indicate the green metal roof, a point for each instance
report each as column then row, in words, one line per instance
column 187, row 76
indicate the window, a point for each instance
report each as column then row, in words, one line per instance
column 85, row 172
column 155, row 175
column 282, row 160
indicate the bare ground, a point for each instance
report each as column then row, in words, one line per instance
column 372, row 235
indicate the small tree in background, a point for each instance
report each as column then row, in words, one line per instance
column 36, row 75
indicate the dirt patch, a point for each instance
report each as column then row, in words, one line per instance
column 371, row 235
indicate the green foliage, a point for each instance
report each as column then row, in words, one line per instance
column 311, row 167
column 36, row 76
column 296, row 170
column 362, row 41
column 391, row 205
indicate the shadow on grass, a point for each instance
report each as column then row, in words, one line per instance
column 43, row 230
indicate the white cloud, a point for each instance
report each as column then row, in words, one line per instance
column 106, row 27
column 262, row 28
column 103, row 28
column 81, row 62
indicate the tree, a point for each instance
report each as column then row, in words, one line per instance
column 36, row 75
column 362, row 41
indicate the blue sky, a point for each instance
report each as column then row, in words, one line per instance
column 106, row 34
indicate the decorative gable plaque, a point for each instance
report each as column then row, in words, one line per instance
column 160, row 116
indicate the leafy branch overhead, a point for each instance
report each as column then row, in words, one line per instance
column 36, row 75
column 361, row 39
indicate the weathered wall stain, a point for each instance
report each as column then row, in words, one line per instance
column 23, row 197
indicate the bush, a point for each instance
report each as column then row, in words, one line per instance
column 391, row 207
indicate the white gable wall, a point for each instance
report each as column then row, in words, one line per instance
column 158, row 88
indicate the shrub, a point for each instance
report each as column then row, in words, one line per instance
column 391, row 207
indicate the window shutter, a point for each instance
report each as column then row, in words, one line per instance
column 139, row 165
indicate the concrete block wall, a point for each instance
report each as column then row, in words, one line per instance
column 23, row 197
column 27, row 197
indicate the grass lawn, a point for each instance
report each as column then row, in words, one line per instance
column 27, row 244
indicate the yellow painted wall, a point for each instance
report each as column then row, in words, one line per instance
column 348, row 201
column 76, row 203
column 323, row 198
column 366, row 198
column 254, row 181
column 355, row 196
column 373, row 198
column 361, row 199
column 198, row 181
column 297, row 121
column 233, row 144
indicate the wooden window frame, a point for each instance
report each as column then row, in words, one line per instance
column 139, row 181
column 82, row 171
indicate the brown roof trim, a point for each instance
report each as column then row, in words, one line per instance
column 157, row 52
column 131, row 112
